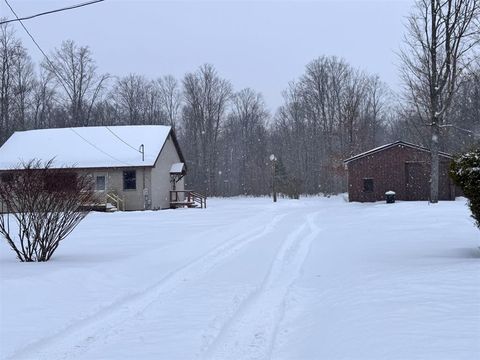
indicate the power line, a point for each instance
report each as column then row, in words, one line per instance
column 60, row 78
column 65, row 87
column 39, row 48
column 52, row 11
column 141, row 149
column 119, row 138
column 96, row 147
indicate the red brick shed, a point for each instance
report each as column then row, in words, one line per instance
column 401, row 167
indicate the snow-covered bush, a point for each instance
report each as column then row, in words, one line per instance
column 40, row 207
column 465, row 172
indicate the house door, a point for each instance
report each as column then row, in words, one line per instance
column 417, row 180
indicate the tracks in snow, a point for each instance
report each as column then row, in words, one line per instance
column 246, row 331
column 250, row 333
column 79, row 337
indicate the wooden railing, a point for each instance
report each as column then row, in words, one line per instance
column 187, row 198
column 198, row 198
column 117, row 200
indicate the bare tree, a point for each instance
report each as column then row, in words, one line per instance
column 41, row 206
column 75, row 71
column 142, row 101
column 464, row 115
column 10, row 51
column 23, row 86
column 442, row 40
column 374, row 111
column 170, row 98
column 288, row 134
column 245, row 147
column 206, row 98
column 44, row 101
column 332, row 112
column 129, row 95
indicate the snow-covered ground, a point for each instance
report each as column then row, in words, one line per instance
column 316, row 278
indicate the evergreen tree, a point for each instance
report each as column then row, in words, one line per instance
column 466, row 174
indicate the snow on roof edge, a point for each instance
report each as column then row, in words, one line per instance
column 177, row 168
column 386, row 146
column 86, row 147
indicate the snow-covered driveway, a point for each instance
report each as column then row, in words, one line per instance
column 247, row 279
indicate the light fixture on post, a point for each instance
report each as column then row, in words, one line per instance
column 273, row 159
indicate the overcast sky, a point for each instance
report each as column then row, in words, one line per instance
column 257, row 44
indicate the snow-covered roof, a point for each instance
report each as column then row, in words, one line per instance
column 387, row 146
column 86, row 147
column 177, row 168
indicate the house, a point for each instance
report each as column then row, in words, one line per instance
column 133, row 167
column 400, row 167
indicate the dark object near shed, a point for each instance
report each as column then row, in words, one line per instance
column 400, row 167
column 390, row 197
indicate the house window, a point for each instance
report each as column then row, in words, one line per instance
column 367, row 185
column 129, row 180
column 100, row 183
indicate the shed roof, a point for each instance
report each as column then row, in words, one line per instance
column 88, row 147
column 388, row 146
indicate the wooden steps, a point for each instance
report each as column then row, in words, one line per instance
column 187, row 204
column 187, row 199
column 101, row 207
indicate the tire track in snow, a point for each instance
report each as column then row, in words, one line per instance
column 250, row 333
column 76, row 339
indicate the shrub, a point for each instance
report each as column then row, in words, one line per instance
column 465, row 172
column 44, row 205
column 292, row 187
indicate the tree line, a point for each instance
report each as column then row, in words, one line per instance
column 329, row 113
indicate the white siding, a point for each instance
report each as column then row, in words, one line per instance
column 134, row 199
column 160, row 176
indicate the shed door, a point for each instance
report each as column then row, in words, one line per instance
column 417, row 180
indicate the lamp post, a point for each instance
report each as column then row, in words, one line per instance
column 273, row 159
